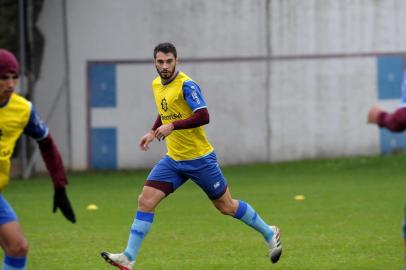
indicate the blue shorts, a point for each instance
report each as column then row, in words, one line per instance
column 204, row 171
column 7, row 213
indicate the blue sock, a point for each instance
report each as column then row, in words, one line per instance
column 14, row 263
column 139, row 229
column 249, row 216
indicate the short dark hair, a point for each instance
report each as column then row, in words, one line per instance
column 165, row 47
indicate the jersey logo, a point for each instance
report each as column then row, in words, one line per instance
column 164, row 104
column 172, row 116
column 195, row 97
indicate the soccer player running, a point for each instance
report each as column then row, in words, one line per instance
column 17, row 116
column 395, row 122
column 182, row 112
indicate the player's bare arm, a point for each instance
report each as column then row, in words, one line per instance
column 395, row 121
column 373, row 114
column 163, row 131
column 146, row 140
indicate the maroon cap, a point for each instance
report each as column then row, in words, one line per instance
column 8, row 62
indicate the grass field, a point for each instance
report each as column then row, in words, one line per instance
column 351, row 219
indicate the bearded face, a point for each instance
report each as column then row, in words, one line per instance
column 165, row 64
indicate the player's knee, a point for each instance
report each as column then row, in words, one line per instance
column 19, row 249
column 146, row 203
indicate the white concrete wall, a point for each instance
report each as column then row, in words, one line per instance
column 315, row 106
column 318, row 108
column 331, row 95
column 337, row 26
column 51, row 95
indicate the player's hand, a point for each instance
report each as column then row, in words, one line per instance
column 61, row 201
column 373, row 114
column 145, row 140
column 163, row 131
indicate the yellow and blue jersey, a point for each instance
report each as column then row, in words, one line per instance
column 177, row 100
column 17, row 115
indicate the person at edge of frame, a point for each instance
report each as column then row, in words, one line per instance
column 17, row 116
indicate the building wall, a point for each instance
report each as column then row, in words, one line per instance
column 284, row 80
column 51, row 96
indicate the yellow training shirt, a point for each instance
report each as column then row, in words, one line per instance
column 177, row 100
column 13, row 118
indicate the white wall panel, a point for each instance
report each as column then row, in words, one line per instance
column 319, row 107
column 331, row 26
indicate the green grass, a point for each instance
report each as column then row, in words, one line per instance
column 351, row 218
